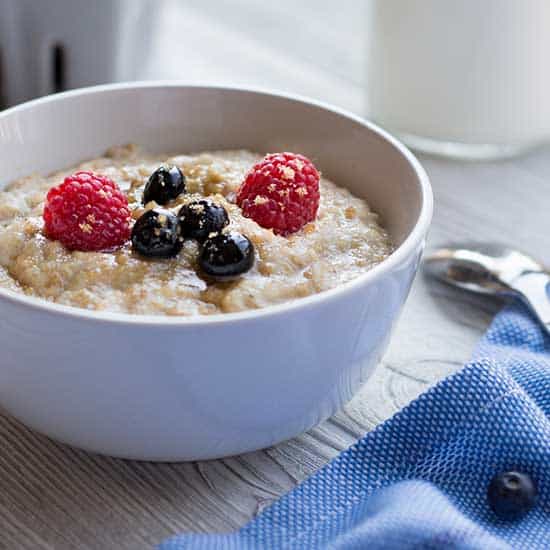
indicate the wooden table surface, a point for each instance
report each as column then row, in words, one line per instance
column 56, row 497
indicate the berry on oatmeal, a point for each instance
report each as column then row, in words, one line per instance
column 164, row 184
column 226, row 255
column 87, row 212
column 200, row 218
column 157, row 234
column 281, row 192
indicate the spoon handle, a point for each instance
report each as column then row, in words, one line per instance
column 534, row 288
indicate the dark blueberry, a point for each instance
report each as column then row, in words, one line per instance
column 200, row 218
column 226, row 255
column 511, row 495
column 157, row 234
column 164, row 184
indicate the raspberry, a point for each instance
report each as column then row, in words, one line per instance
column 281, row 192
column 87, row 212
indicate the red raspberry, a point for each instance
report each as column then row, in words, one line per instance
column 281, row 192
column 87, row 212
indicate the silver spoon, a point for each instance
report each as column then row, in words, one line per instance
column 494, row 269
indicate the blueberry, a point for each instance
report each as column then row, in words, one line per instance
column 157, row 234
column 511, row 495
column 164, row 184
column 226, row 255
column 200, row 218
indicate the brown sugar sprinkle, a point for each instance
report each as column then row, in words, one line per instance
column 213, row 176
column 85, row 227
column 265, row 268
column 288, row 172
column 31, row 227
column 350, row 212
column 137, row 213
column 309, row 228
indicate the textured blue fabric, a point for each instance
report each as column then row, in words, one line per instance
column 419, row 480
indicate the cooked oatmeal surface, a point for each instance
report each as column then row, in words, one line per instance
column 344, row 241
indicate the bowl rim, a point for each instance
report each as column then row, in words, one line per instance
column 399, row 255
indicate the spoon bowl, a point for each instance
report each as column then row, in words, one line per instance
column 496, row 270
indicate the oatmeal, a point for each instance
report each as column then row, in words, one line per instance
column 341, row 243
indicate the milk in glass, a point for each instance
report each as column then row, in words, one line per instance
column 462, row 77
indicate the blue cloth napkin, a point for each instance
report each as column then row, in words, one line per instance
column 419, row 480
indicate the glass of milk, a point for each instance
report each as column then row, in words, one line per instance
column 463, row 78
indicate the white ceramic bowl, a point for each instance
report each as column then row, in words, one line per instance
column 163, row 388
